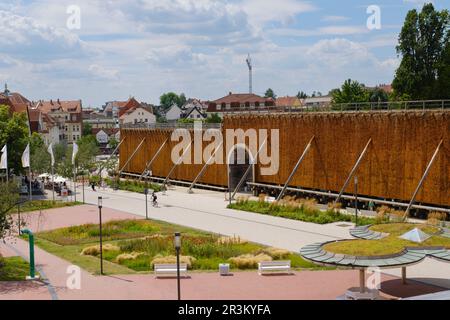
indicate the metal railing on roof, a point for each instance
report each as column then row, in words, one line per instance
column 175, row 125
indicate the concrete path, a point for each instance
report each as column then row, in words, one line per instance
column 200, row 286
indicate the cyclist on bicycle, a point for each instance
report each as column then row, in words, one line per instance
column 155, row 198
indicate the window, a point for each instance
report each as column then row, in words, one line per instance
column 146, row 120
column 198, row 116
column 228, row 106
column 218, row 107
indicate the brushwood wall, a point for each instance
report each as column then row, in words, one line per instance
column 402, row 145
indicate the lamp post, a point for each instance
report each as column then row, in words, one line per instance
column 177, row 248
column 356, row 200
column 146, row 203
column 100, row 205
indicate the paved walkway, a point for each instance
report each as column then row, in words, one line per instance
column 200, row 286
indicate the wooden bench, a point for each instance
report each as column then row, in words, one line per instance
column 170, row 270
column 274, row 267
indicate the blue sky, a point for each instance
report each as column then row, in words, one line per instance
column 144, row 48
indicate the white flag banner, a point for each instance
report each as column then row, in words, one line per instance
column 26, row 157
column 74, row 152
column 50, row 150
column 4, row 158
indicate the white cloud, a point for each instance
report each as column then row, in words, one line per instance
column 102, row 72
column 322, row 31
column 334, row 18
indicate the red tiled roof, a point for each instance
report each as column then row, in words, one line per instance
column 131, row 103
column 237, row 99
column 287, row 101
column 55, row 105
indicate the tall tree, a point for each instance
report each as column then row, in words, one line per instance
column 443, row 82
column 13, row 132
column 422, row 42
column 270, row 94
column 40, row 158
column 169, row 99
column 9, row 196
column 350, row 92
column 302, row 95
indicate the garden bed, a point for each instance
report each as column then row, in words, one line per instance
column 132, row 185
column 37, row 205
column 135, row 245
column 13, row 269
column 302, row 210
column 391, row 244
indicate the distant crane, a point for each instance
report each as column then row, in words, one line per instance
column 250, row 76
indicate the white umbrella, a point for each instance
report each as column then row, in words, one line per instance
column 44, row 175
column 59, row 179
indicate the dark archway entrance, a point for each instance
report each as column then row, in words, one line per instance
column 239, row 161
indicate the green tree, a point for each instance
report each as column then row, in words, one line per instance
column 422, row 42
column 214, row 118
column 182, row 100
column 15, row 133
column 169, row 99
column 87, row 151
column 378, row 95
column 443, row 82
column 302, row 95
column 87, row 129
column 350, row 92
column 270, row 94
column 9, row 197
column 113, row 143
column 40, row 158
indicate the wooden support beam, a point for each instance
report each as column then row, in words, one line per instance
column 177, row 163
column 132, row 156
column 300, row 160
column 355, row 167
column 202, row 172
column 149, row 164
column 427, row 170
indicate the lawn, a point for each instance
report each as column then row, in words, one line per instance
column 297, row 210
column 13, row 269
column 37, row 205
column 389, row 245
column 133, row 185
column 135, row 245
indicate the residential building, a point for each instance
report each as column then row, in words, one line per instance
column 317, row 102
column 289, row 102
column 137, row 115
column 68, row 116
column 194, row 112
column 241, row 102
column 174, row 113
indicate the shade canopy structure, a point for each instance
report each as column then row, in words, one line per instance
column 59, row 179
column 408, row 257
column 415, row 235
column 44, row 175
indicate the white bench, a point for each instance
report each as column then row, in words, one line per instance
column 274, row 266
column 170, row 270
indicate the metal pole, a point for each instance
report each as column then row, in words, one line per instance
column 362, row 281
column 75, row 183
column 83, row 188
column 427, row 170
column 250, row 167
column 146, row 204
column 132, row 156
column 356, row 200
column 403, row 275
column 31, row 191
column 204, row 169
column 300, row 160
column 358, row 162
column 18, row 216
column 178, row 274
column 53, row 182
column 101, row 241
column 148, row 165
